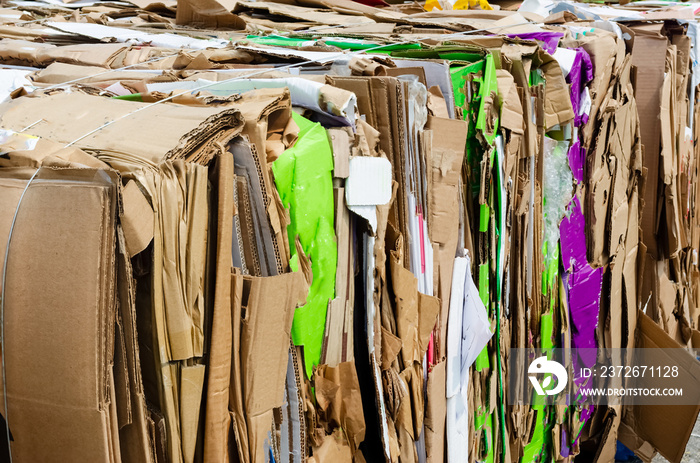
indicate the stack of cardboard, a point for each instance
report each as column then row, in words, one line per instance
column 73, row 385
column 314, row 230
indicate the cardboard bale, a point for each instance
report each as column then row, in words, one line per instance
column 59, row 382
column 558, row 158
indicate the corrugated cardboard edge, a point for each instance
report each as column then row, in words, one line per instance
column 217, row 418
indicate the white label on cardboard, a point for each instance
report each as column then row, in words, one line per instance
column 368, row 182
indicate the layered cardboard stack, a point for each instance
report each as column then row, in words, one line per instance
column 314, row 230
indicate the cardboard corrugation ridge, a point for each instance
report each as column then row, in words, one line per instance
column 398, row 165
column 267, row 200
column 298, row 376
column 255, row 207
column 215, row 131
column 256, row 114
column 297, row 370
column 244, row 208
column 110, row 298
column 216, row 144
column 237, row 228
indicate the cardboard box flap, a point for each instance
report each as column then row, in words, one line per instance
column 264, row 312
column 666, row 427
column 267, row 311
column 137, row 219
column 207, row 13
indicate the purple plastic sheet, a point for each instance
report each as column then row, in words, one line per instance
column 580, row 74
column 584, row 282
column 564, row 443
column 577, row 158
column 548, row 40
column 573, row 238
column 584, row 285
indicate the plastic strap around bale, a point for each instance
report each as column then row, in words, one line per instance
column 2, row 314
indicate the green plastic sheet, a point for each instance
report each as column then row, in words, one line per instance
column 304, row 179
column 340, row 42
